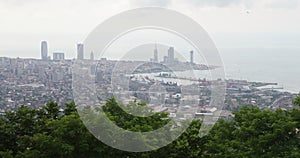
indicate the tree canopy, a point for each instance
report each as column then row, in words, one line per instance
column 47, row 132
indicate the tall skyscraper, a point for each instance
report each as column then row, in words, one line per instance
column 44, row 50
column 92, row 55
column 58, row 56
column 80, row 55
column 191, row 57
column 171, row 55
column 165, row 59
column 155, row 58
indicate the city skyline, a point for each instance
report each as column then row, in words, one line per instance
column 170, row 57
column 60, row 55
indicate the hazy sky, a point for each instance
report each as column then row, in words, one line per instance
column 63, row 23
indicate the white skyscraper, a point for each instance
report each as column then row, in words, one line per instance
column 171, row 55
column 155, row 58
column 58, row 56
column 192, row 57
column 44, row 50
column 92, row 56
column 80, row 55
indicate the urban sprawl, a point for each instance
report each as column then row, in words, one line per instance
column 34, row 82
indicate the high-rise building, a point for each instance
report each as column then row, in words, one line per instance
column 166, row 59
column 80, row 55
column 171, row 55
column 155, row 58
column 58, row 56
column 92, row 55
column 44, row 50
column 191, row 57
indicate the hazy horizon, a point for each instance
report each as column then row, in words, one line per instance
column 222, row 41
column 64, row 23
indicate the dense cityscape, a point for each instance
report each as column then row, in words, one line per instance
column 34, row 82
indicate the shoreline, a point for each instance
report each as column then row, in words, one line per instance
column 260, row 84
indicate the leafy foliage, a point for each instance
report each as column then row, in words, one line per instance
column 46, row 132
column 297, row 100
column 130, row 122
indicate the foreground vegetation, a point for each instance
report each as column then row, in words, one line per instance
column 47, row 132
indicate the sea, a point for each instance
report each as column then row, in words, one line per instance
column 279, row 65
column 270, row 65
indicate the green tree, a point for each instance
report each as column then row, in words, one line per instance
column 46, row 132
column 254, row 133
column 52, row 110
column 296, row 101
column 70, row 108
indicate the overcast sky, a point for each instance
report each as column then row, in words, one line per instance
column 63, row 23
